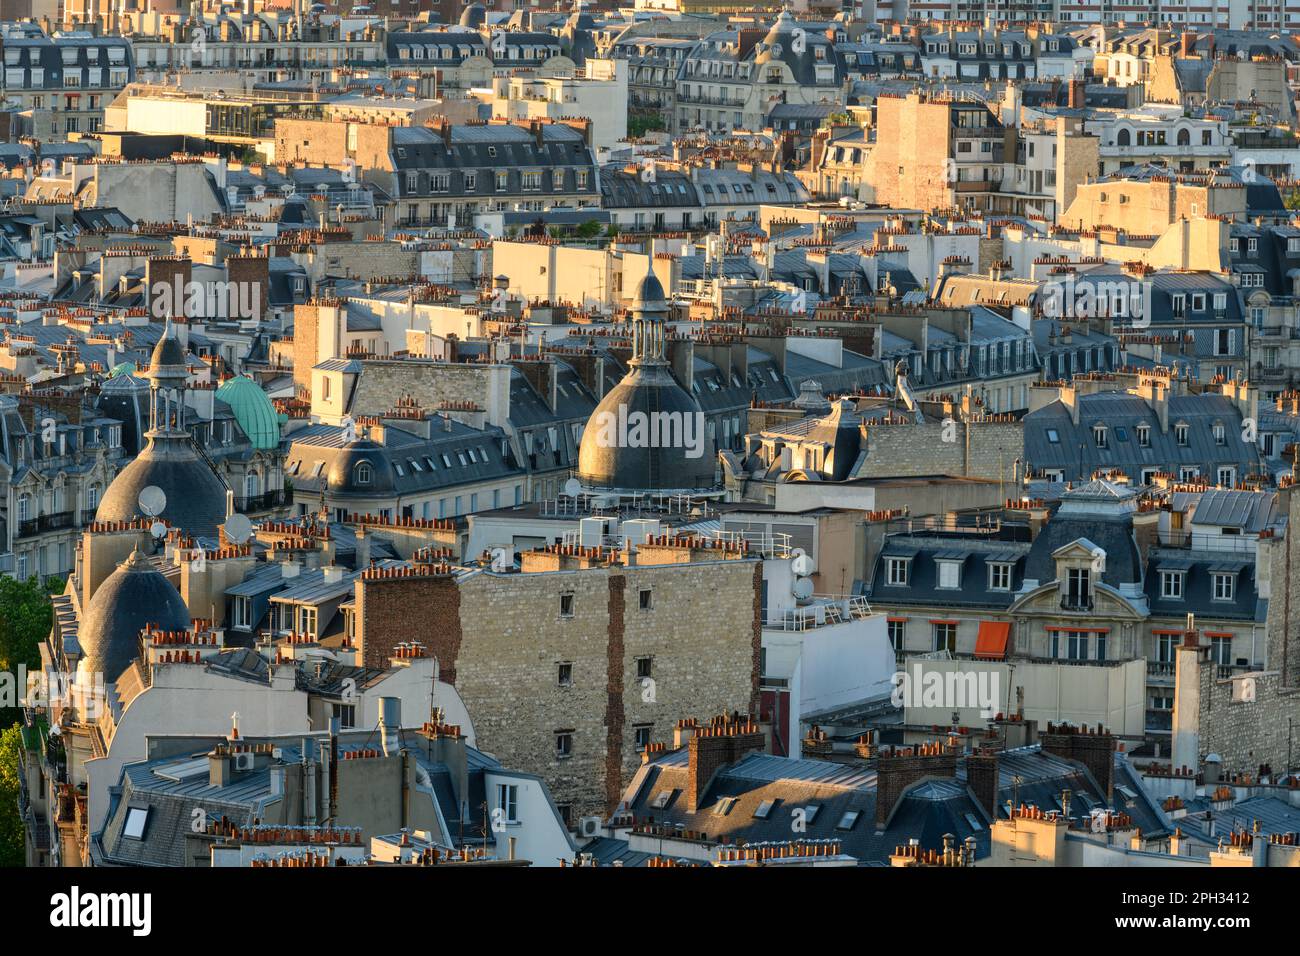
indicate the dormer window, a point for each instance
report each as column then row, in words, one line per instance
column 364, row 474
column 1078, row 589
column 898, row 571
column 1220, row 434
column 1143, row 433
column 999, row 576
column 1099, row 436
column 1225, row 586
column 1171, row 585
column 949, row 574
column 1180, row 434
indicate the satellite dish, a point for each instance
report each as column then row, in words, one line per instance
column 238, row 528
column 500, row 560
column 573, row 487
column 803, row 588
column 803, row 565
column 152, row 501
column 158, row 529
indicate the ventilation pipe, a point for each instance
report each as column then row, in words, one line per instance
column 390, row 724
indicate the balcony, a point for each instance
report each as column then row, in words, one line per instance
column 1077, row 602
column 1160, row 672
column 824, row 610
column 250, row 504
column 57, row 521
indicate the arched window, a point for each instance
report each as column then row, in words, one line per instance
column 1122, row 138
column 1184, row 138
column 363, row 473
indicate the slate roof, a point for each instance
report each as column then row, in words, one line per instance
column 926, row 812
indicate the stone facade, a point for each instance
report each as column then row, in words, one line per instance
column 977, row 450
column 1247, row 734
column 502, row 641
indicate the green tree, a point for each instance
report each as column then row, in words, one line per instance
column 11, row 827
column 589, row 229
column 25, row 618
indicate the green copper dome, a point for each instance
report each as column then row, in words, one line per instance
column 123, row 368
column 253, row 410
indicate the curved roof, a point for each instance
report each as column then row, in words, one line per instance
column 346, row 475
column 253, row 409
column 196, row 497
column 168, row 353
column 474, row 16
column 134, row 595
column 647, row 435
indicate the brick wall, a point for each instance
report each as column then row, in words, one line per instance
column 895, row 773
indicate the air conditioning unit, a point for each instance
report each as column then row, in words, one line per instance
column 243, row 761
column 589, row 827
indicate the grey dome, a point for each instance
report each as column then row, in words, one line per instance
column 649, row 294
column 133, row 596
column 611, row 466
column 473, row 16
column 196, row 497
column 168, row 353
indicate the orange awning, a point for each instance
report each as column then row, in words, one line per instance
column 992, row 640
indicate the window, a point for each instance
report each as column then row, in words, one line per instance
column 508, row 802
column 762, row 811
column 137, row 820
column 644, row 596
column 1225, row 586
column 241, row 613
column 1053, row 436
column 663, row 798
column 1180, row 435
column 1171, row 585
column 1227, row 477
column 1221, row 650
column 999, row 576
column 897, row 634
column 898, row 570
column 945, row 636
column 364, row 474
column 1099, row 435
column 849, row 818
column 949, row 574
column 1143, row 433
column 644, row 665
column 346, row 714
column 566, row 605
column 1078, row 592
column 724, row 806
column 1165, row 644
column 641, row 735
column 563, row 744
column 564, row 676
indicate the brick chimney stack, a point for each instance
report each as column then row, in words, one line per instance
column 900, row 768
column 982, row 779
column 723, row 741
column 1095, row 749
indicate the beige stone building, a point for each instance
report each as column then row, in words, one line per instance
column 574, row 665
